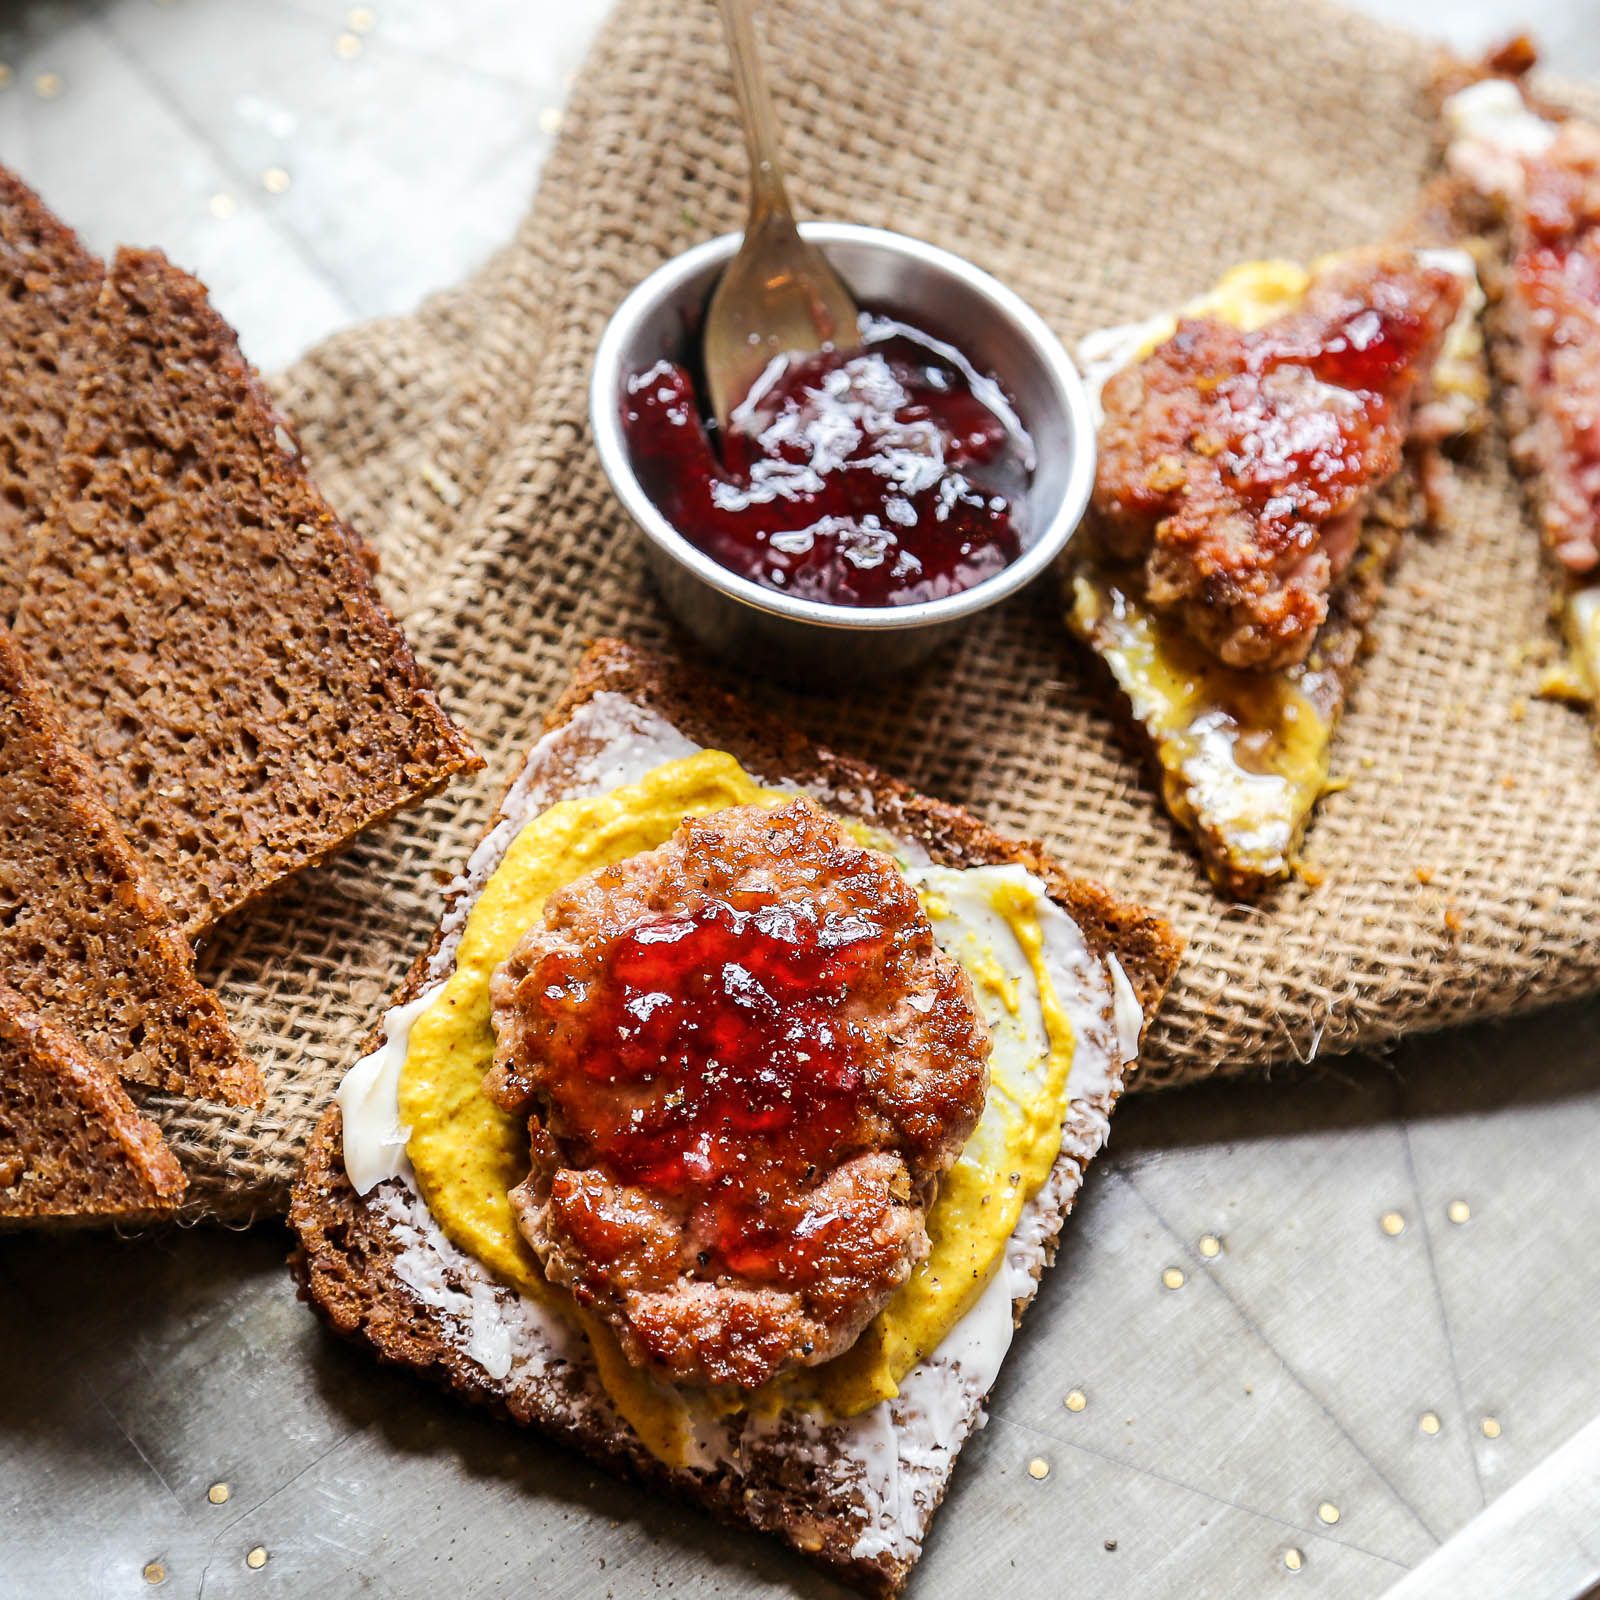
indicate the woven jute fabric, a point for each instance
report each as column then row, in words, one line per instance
column 1105, row 160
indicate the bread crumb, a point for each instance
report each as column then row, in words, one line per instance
column 1519, row 709
column 1424, row 874
column 1453, row 919
column 1508, row 780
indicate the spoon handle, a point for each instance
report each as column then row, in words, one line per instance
column 767, row 194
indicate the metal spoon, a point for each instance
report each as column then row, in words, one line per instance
column 778, row 295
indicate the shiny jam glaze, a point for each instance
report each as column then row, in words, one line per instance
column 885, row 475
column 1294, row 452
column 714, row 1060
column 1236, row 464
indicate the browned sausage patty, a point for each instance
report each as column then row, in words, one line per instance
column 1237, row 466
column 745, row 1063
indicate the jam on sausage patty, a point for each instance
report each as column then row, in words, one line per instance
column 1237, row 466
column 745, row 1064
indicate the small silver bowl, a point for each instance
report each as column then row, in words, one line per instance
column 808, row 642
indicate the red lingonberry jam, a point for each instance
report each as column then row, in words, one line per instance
column 1302, row 459
column 715, row 1061
column 880, row 476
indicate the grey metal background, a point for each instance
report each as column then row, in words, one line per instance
column 290, row 149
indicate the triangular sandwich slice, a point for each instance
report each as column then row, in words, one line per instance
column 726, row 1126
column 72, row 1145
column 1523, row 184
column 48, row 286
column 1261, row 453
column 83, row 935
column 208, row 624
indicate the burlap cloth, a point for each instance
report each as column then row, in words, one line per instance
column 1104, row 160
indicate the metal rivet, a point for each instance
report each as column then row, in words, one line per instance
column 1458, row 1211
column 347, row 46
column 223, row 206
column 1038, row 1468
column 1173, row 1277
column 1429, row 1422
column 275, row 180
column 1293, row 1559
column 1076, row 1400
column 362, row 20
column 1491, row 1428
column 257, row 1558
column 550, row 120
column 154, row 1572
column 1210, row 1245
column 1392, row 1223
column 48, row 85
column 218, row 1494
column 1328, row 1512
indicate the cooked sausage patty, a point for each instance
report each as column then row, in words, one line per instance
column 745, row 1064
column 1237, row 466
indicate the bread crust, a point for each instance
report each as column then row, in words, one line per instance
column 96, row 1159
column 344, row 1262
column 129, row 943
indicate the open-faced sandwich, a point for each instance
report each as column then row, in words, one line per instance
column 1524, row 187
column 728, row 1122
column 1262, row 450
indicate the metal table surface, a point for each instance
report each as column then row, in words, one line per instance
column 1300, row 1332
column 1393, row 1324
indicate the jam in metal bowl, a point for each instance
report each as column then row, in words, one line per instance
column 886, row 474
column 768, row 628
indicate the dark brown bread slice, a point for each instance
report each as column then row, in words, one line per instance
column 346, row 1260
column 83, row 936
column 48, row 287
column 72, row 1145
column 208, row 624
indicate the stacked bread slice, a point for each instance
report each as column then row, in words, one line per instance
column 200, row 693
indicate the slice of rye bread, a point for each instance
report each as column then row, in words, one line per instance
column 72, row 1145
column 207, row 623
column 83, row 936
column 48, row 287
column 376, row 1272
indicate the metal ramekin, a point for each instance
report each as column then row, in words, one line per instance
column 806, row 641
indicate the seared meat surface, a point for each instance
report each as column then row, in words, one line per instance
column 745, row 1063
column 1553, row 298
column 1236, row 466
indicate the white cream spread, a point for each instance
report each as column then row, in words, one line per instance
column 374, row 1141
column 1491, row 130
column 895, row 1457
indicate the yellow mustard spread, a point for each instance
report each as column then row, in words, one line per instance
column 1243, row 755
